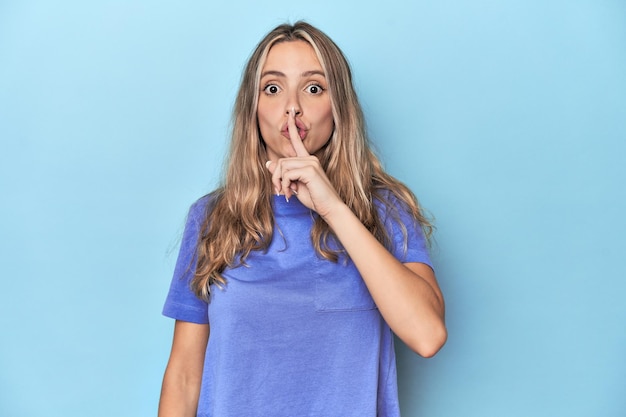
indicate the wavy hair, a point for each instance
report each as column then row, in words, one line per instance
column 240, row 219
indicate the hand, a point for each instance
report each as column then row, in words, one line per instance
column 303, row 175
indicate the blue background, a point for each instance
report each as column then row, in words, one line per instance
column 508, row 120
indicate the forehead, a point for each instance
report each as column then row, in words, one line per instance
column 291, row 54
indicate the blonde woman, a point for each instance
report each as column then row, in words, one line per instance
column 305, row 261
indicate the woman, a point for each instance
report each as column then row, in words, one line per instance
column 305, row 261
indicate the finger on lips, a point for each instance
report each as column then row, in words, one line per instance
column 281, row 182
column 296, row 141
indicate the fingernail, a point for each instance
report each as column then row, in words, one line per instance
column 294, row 191
column 267, row 164
column 286, row 198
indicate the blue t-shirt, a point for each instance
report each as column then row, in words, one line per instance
column 292, row 334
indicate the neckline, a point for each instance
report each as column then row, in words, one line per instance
column 280, row 205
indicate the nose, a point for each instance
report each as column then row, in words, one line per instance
column 297, row 109
column 293, row 103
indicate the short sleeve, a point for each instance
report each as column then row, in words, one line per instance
column 181, row 302
column 413, row 247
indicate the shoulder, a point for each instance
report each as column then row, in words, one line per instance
column 389, row 204
column 398, row 212
column 384, row 196
column 409, row 242
column 200, row 209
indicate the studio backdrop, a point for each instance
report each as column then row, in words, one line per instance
column 507, row 119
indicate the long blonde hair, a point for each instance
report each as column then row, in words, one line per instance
column 240, row 218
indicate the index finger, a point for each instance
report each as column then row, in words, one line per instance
column 296, row 142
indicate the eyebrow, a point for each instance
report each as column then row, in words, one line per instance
column 304, row 74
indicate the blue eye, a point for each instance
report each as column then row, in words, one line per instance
column 271, row 89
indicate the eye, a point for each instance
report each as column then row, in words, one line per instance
column 315, row 89
column 271, row 89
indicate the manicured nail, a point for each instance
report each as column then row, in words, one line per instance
column 267, row 164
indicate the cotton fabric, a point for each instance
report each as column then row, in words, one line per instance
column 292, row 334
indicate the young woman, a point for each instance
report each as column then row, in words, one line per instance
column 305, row 261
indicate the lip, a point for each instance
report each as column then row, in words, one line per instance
column 302, row 130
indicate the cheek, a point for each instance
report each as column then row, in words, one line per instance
column 267, row 114
column 263, row 120
column 328, row 120
column 324, row 115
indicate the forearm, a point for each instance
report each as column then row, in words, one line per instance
column 183, row 375
column 411, row 305
column 179, row 395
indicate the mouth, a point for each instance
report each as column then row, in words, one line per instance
column 302, row 130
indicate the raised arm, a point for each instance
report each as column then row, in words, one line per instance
column 407, row 295
column 183, row 375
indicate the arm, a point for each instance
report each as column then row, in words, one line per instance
column 407, row 295
column 183, row 375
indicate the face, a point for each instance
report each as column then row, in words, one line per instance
column 292, row 77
